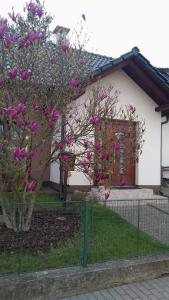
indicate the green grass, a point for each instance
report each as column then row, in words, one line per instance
column 110, row 237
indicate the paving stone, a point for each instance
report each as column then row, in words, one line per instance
column 157, row 289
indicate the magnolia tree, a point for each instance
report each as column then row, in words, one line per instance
column 41, row 76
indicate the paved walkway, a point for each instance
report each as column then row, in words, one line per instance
column 153, row 216
column 157, row 289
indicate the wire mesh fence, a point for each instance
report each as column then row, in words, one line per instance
column 85, row 232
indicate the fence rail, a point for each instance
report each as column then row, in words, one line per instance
column 85, row 232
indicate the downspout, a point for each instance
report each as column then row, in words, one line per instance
column 162, row 123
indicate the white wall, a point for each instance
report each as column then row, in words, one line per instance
column 55, row 173
column 148, row 168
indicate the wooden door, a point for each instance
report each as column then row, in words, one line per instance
column 116, row 159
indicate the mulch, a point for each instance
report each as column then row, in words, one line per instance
column 49, row 228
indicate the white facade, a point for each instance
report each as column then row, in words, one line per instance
column 148, row 168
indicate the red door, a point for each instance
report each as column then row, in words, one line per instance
column 115, row 161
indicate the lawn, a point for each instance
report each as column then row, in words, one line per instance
column 109, row 236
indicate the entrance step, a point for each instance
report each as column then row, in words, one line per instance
column 124, row 193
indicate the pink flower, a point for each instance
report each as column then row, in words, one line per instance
column 46, row 112
column 85, row 163
column 64, row 47
column 131, row 108
column 69, row 140
column 65, row 157
column 103, row 95
column 12, row 74
column 89, row 156
column 34, row 126
column 20, row 123
column 2, row 81
column 94, row 120
column 1, row 146
column 81, row 61
column 34, row 36
column 11, row 112
column 55, row 114
column 19, row 153
column 35, row 106
column 36, row 10
column 13, row 16
column 106, row 195
column 85, row 143
column 21, row 109
column 74, row 83
column 61, row 145
column 98, row 146
column 25, row 74
column 30, row 186
column 117, row 146
column 3, row 27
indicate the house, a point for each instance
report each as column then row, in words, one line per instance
column 147, row 88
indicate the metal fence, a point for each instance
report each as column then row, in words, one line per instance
column 86, row 232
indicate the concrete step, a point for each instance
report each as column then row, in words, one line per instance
column 128, row 194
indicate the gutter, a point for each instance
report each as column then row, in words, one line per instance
column 163, row 123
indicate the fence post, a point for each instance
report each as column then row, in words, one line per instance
column 85, row 244
column 138, row 228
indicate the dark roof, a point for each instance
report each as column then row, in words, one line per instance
column 155, row 81
column 97, row 61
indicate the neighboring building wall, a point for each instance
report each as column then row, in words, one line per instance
column 55, row 173
column 165, row 149
column 165, row 145
column 148, row 168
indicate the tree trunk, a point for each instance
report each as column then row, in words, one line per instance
column 17, row 216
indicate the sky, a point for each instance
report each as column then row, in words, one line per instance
column 114, row 26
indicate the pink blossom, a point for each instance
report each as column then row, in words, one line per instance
column 2, row 81
column 65, row 47
column 106, row 195
column 94, row 120
column 85, row 143
column 25, row 74
column 12, row 74
column 74, row 83
column 81, row 61
column 13, row 16
column 21, row 109
column 69, row 140
column 3, row 27
column 65, row 157
column 1, row 146
column 35, row 106
column 20, row 123
column 103, row 95
column 46, row 112
column 30, row 186
column 11, row 112
column 36, row 10
column 34, row 126
column 98, row 146
column 89, row 156
column 85, row 163
column 19, row 153
column 61, row 145
column 117, row 146
column 131, row 108
column 34, row 36
column 55, row 114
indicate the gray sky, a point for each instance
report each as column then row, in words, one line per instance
column 115, row 26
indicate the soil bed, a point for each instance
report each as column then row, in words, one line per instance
column 49, row 228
